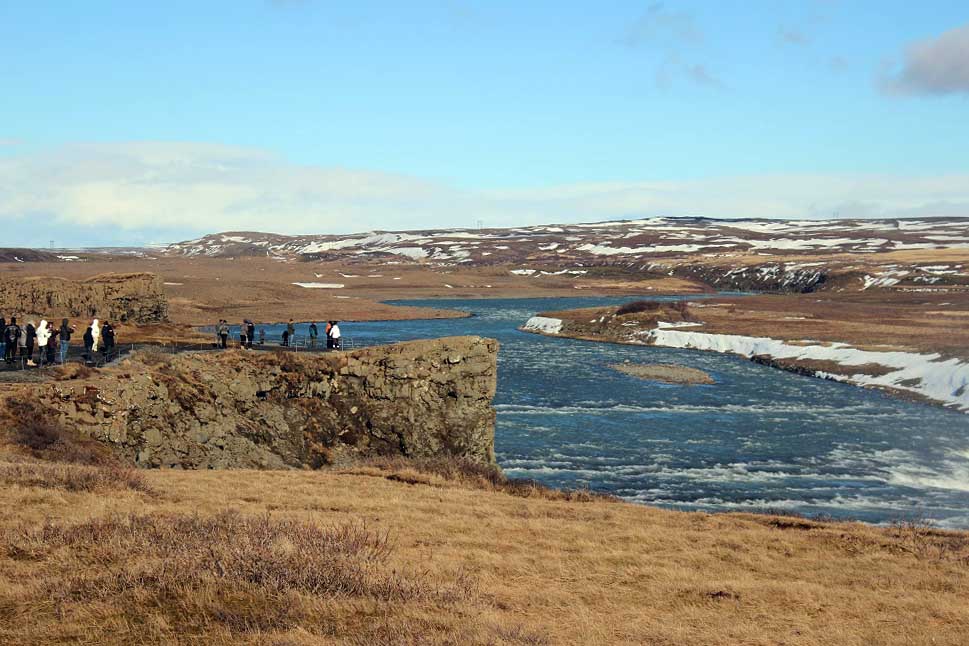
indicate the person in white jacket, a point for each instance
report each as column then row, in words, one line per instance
column 335, row 335
column 43, row 336
column 96, row 334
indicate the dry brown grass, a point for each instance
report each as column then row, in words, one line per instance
column 72, row 477
column 455, row 471
column 311, row 557
column 225, row 574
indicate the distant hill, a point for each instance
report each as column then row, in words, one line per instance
column 27, row 255
column 598, row 243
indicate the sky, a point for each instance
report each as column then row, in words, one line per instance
column 129, row 123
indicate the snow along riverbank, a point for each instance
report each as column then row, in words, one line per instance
column 928, row 375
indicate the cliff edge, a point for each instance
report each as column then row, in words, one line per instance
column 136, row 297
column 239, row 409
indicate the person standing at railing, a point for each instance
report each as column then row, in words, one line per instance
column 335, row 335
column 10, row 335
column 107, row 333
column 313, row 334
column 28, row 338
column 89, row 344
column 95, row 335
column 250, row 333
column 65, row 338
column 43, row 337
column 290, row 332
column 243, row 330
column 52, row 345
column 222, row 329
column 3, row 335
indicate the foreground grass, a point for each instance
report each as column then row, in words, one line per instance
column 391, row 553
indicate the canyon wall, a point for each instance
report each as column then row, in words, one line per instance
column 135, row 298
column 259, row 409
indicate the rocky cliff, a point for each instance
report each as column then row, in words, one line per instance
column 138, row 298
column 238, row 409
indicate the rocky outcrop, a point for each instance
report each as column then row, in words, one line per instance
column 238, row 409
column 136, row 298
column 768, row 277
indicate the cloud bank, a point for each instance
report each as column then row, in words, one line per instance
column 178, row 190
column 934, row 65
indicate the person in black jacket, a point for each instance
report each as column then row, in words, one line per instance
column 314, row 332
column 10, row 335
column 88, row 344
column 250, row 333
column 107, row 335
column 30, row 336
column 52, row 347
column 65, row 333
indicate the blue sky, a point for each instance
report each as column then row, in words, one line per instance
column 143, row 121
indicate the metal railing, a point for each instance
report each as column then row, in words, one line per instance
column 299, row 343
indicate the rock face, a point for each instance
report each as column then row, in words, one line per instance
column 138, row 298
column 238, row 409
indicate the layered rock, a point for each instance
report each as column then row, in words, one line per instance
column 137, row 298
column 238, row 409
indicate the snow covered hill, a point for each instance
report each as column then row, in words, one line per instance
column 602, row 243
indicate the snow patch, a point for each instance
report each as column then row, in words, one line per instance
column 544, row 324
column 320, row 285
column 943, row 380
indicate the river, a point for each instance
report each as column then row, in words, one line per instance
column 760, row 439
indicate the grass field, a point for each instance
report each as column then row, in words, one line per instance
column 399, row 553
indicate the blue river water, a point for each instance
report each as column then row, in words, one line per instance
column 759, row 439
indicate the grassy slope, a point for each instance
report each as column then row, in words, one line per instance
column 466, row 565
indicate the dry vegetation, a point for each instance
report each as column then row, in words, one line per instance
column 439, row 553
column 458, row 472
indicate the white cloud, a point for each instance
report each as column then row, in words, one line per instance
column 188, row 187
column 934, row 65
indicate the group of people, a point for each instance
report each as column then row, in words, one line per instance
column 37, row 345
column 332, row 332
column 247, row 334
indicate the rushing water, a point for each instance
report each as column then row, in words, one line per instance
column 759, row 439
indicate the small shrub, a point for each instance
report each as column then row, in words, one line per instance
column 153, row 356
column 926, row 542
column 37, row 429
column 678, row 307
column 288, row 361
column 74, row 370
column 636, row 307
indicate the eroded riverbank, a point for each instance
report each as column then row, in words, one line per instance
column 932, row 372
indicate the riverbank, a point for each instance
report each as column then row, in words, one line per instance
column 200, row 291
column 918, row 353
